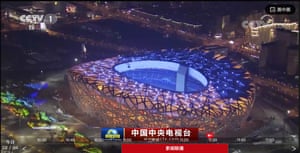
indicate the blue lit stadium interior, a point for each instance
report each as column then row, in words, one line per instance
column 161, row 78
column 163, row 74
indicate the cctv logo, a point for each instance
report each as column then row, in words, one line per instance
column 38, row 18
column 264, row 20
column 253, row 24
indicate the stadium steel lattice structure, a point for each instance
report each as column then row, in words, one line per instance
column 101, row 90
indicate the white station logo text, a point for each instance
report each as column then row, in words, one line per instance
column 39, row 18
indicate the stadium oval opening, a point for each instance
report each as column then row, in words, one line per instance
column 165, row 75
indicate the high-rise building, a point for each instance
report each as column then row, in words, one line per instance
column 225, row 21
column 273, row 55
column 263, row 56
column 222, row 24
column 293, row 60
column 288, row 37
column 282, row 53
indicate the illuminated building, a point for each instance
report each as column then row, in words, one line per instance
column 267, row 33
column 190, row 88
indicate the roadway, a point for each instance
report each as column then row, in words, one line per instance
column 290, row 91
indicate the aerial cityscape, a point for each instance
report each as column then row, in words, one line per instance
column 89, row 76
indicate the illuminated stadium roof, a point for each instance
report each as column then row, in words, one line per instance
column 163, row 89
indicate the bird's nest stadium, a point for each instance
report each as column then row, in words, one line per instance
column 187, row 88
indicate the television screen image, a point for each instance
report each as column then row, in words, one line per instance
column 149, row 76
